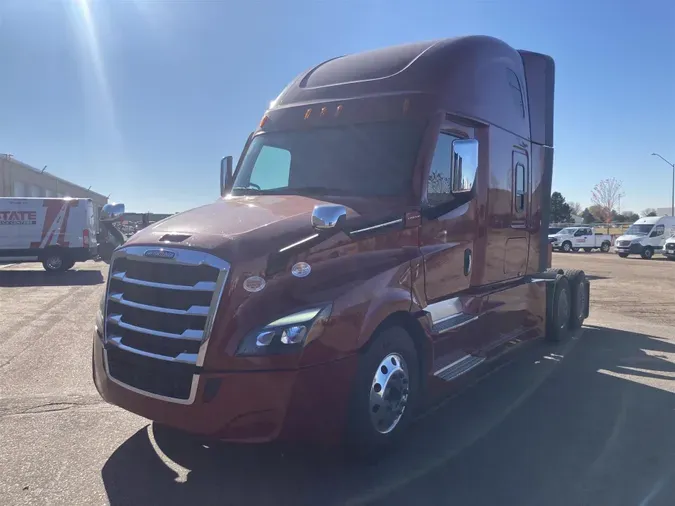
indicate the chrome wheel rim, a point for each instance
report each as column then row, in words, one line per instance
column 389, row 393
column 54, row 263
column 567, row 248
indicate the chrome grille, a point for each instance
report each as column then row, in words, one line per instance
column 158, row 317
column 624, row 244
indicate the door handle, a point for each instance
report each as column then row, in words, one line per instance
column 467, row 262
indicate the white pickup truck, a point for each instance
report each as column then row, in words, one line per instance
column 576, row 238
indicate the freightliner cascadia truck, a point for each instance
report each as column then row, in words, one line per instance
column 383, row 234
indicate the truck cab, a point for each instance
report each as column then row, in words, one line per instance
column 645, row 237
column 382, row 234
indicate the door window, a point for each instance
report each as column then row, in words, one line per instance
column 658, row 231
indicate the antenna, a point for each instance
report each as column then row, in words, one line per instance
column 43, row 169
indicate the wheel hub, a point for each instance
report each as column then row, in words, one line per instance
column 389, row 393
column 54, row 262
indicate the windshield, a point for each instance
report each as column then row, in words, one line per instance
column 370, row 159
column 639, row 229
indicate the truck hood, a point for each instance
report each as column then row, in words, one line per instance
column 247, row 227
column 630, row 237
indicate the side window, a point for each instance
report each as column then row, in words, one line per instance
column 439, row 184
column 516, row 91
column 658, row 230
column 272, row 168
column 520, row 189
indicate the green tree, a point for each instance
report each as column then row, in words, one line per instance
column 649, row 212
column 587, row 216
column 560, row 210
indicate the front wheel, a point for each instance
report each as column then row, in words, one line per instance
column 648, row 253
column 384, row 391
column 567, row 247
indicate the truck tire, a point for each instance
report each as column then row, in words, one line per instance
column 577, row 283
column 605, row 247
column 68, row 264
column 623, row 255
column 647, row 253
column 558, row 310
column 384, row 392
column 54, row 261
column 567, row 246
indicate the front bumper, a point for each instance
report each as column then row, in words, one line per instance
column 308, row 404
column 669, row 253
column 633, row 249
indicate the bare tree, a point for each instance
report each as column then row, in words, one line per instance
column 575, row 208
column 605, row 195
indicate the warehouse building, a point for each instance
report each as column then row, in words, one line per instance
column 18, row 179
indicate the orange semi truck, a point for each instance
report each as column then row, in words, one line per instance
column 383, row 234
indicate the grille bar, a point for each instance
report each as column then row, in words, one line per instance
column 189, row 334
column 201, row 286
column 193, row 310
column 184, row 358
column 157, row 329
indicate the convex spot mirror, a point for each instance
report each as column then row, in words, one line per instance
column 112, row 212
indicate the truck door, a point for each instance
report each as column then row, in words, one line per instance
column 583, row 238
column 518, row 241
column 447, row 235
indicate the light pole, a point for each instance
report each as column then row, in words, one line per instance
column 672, row 198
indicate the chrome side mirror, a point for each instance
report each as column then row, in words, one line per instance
column 464, row 164
column 111, row 212
column 226, row 176
column 327, row 216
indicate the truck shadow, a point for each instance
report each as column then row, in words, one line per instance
column 41, row 278
column 585, row 422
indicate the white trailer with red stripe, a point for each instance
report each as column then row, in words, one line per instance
column 55, row 231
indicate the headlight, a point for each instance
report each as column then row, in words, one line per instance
column 285, row 335
column 636, row 241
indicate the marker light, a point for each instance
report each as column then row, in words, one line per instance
column 308, row 112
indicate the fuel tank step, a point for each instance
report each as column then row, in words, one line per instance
column 459, row 367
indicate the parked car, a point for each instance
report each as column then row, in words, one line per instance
column 646, row 236
column 669, row 248
column 576, row 238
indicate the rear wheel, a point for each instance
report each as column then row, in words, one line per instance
column 55, row 261
column 648, row 253
column 577, row 284
column 605, row 247
column 558, row 310
column 384, row 391
column 68, row 264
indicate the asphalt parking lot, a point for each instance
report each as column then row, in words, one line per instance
column 590, row 422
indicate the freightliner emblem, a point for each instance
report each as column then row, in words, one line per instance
column 159, row 253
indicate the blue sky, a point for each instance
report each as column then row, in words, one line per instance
column 141, row 98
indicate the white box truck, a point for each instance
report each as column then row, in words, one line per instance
column 645, row 237
column 57, row 232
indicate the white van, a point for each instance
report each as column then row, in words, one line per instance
column 645, row 237
column 56, row 232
